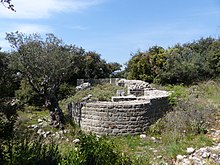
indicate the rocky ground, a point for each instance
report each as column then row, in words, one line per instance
column 202, row 156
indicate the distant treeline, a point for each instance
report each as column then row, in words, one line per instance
column 183, row 63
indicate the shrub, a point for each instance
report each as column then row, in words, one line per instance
column 26, row 95
column 30, row 152
column 65, row 90
column 102, row 92
column 178, row 93
column 8, row 116
column 186, row 118
column 92, row 150
column 191, row 112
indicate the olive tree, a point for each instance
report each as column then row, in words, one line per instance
column 44, row 63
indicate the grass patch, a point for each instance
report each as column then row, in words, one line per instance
column 30, row 114
column 164, row 149
column 102, row 92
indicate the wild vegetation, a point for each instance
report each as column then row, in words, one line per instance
column 32, row 74
column 187, row 63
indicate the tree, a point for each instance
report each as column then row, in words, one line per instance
column 139, row 67
column 8, row 81
column 9, row 4
column 94, row 66
column 44, row 64
column 114, row 66
column 146, row 65
column 214, row 57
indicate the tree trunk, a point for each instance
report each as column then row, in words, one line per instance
column 56, row 114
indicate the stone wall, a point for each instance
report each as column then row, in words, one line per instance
column 122, row 118
column 98, row 81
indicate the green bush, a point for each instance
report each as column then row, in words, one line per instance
column 178, row 93
column 26, row 152
column 8, row 81
column 188, row 117
column 65, row 91
column 92, row 150
column 193, row 110
column 187, row 63
column 8, row 117
column 102, row 92
column 26, row 95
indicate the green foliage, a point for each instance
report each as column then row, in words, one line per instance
column 43, row 63
column 192, row 112
column 102, row 92
column 8, row 116
column 139, row 67
column 92, row 150
column 146, row 65
column 8, row 81
column 65, row 91
column 187, row 63
column 178, row 93
column 30, row 152
column 92, row 66
column 174, row 147
column 26, row 95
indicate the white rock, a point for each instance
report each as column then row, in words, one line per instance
column 45, row 135
column 205, row 154
column 61, row 132
column 187, row 162
column 154, row 139
column 57, row 136
column 155, row 151
column 40, row 131
column 180, row 157
column 76, row 141
column 48, row 132
column 34, row 126
column 159, row 157
column 143, row 136
column 190, row 150
column 39, row 120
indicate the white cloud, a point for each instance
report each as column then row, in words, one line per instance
column 24, row 28
column 36, row 9
column 33, row 28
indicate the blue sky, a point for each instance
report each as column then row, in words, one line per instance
column 114, row 28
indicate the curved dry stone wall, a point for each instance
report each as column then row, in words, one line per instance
column 122, row 118
column 125, row 114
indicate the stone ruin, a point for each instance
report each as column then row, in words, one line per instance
column 128, row 113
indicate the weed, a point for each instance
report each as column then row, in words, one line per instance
column 99, row 93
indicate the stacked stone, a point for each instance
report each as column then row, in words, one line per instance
column 135, row 87
column 122, row 118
